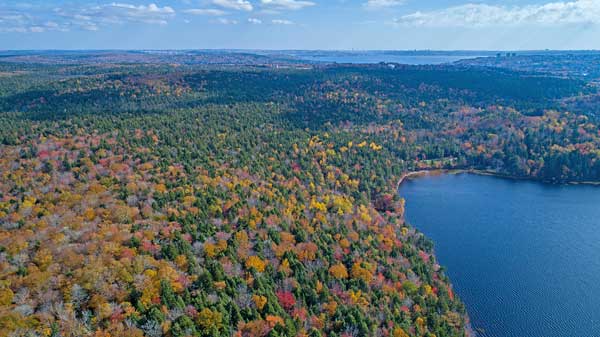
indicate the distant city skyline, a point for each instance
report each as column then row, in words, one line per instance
column 301, row 24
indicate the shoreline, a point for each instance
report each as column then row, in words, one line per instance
column 470, row 331
column 421, row 173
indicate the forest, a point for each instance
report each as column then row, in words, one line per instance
column 157, row 199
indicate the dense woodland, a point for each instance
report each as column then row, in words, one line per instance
column 179, row 200
column 578, row 64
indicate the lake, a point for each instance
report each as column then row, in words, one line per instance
column 523, row 256
column 377, row 58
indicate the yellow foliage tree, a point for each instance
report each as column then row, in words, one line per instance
column 260, row 301
column 420, row 322
column 211, row 250
column 43, row 259
column 399, row 332
column 161, row 188
column 427, row 289
column 6, row 296
column 364, row 215
column 341, row 204
column 274, row 321
column 361, row 272
column 181, row 261
column 339, row 271
column 208, row 319
column 89, row 214
column 285, row 267
column 257, row 263
column 318, row 206
column 307, row 251
column 357, row 297
column 330, row 307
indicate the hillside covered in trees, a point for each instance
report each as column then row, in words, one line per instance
column 183, row 200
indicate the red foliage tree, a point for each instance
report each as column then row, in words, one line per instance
column 286, row 299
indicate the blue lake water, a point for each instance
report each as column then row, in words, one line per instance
column 523, row 256
column 377, row 57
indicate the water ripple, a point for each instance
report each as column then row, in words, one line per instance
column 524, row 257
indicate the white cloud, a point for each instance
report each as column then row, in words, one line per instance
column 239, row 5
column 15, row 21
column 13, row 30
column 254, row 21
column 287, row 4
column 478, row 15
column 281, row 22
column 93, row 18
column 210, row 12
column 86, row 17
column 379, row 4
column 92, row 27
column 9, row 16
column 267, row 11
column 121, row 12
column 224, row 21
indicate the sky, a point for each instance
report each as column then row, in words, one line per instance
column 300, row 24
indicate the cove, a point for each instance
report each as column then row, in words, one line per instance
column 523, row 256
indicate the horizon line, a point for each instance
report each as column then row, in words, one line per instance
column 291, row 50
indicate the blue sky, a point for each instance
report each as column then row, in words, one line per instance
column 300, row 24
